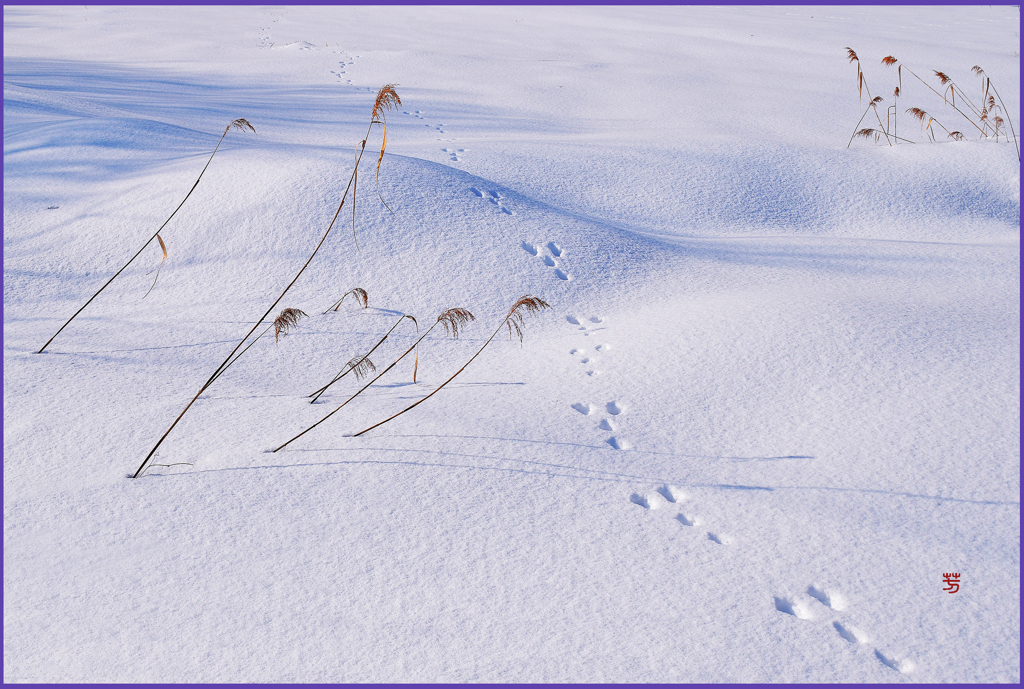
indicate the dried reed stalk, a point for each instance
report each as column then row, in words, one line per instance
column 386, row 98
column 241, row 124
column 451, row 319
column 889, row 60
column 347, row 369
column 514, row 320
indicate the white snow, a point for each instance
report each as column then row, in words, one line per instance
column 775, row 400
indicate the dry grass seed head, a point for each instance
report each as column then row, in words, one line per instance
column 387, row 99
column 943, row 78
column 360, row 295
column 361, row 366
column 896, row 92
column 288, row 319
column 453, row 319
column 851, row 55
column 956, row 136
column 977, row 70
column 889, row 60
column 241, row 124
column 918, row 113
column 529, row 305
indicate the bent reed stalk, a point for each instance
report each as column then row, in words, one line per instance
column 240, row 124
column 451, row 319
column 514, row 319
column 386, row 99
column 348, row 368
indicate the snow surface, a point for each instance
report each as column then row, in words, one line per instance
column 775, row 401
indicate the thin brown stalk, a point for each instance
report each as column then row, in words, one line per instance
column 514, row 319
column 241, row 124
column 226, row 361
column 346, row 370
column 163, row 247
column 874, row 102
column 452, row 319
column 279, row 324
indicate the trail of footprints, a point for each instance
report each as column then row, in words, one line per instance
column 491, row 196
column 553, row 256
column 587, row 355
column 807, row 606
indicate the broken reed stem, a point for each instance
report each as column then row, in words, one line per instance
column 216, row 373
column 855, row 130
column 236, row 123
column 531, row 304
column 342, row 373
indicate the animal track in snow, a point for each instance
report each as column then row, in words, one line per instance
column 687, row 520
column 651, row 501
column 638, row 499
column 672, row 494
column 607, row 425
column 719, row 538
column 555, row 249
column 851, row 634
column 549, row 261
column 614, row 408
column 827, row 597
column 584, row 408
column 562, row 275
column 454, row 153
column 901, row 665
column 527, row 247
column 831, row 599
column 795, row 607
column 492, row 196
column 619, row 443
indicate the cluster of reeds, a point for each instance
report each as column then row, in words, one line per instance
column 986, row 120
column 387, row 99
column 451, row 320
column 361, row 366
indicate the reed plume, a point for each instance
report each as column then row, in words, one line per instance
column 862, row 84
column 287, row 319
column 358, row 293
column 380, row 104
column 451, row 320
column 241, row 124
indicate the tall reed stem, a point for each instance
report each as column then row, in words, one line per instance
column 239, row 123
